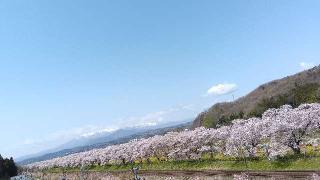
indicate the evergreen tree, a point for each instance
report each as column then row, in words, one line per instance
column 13, row 170
column 7, row 168
column 1, row 166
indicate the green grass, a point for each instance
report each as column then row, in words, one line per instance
column 289, row 163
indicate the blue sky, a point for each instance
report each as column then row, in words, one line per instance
column 69, row 68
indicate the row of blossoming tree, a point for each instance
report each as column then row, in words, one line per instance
column 277, row 133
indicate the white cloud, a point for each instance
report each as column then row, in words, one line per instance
column 221, row 89
column 29, row 141
column 306, row 65
column 180, row 112
column 99, row 131
column 59, row 137
column 55, row 139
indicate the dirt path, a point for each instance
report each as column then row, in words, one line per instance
column 222, row 172
column 174, row 174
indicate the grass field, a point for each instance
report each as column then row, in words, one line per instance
column 289, row 163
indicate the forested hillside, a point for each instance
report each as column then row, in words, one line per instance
column 293, row 90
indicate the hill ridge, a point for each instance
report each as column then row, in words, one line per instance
column 268, row 95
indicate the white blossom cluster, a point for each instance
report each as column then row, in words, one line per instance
column 278, row 132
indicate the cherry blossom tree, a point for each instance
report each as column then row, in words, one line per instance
column 277, row 132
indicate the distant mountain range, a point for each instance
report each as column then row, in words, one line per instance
column 103, row 139
column 303, row 87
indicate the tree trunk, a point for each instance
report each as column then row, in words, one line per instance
column 296, row 150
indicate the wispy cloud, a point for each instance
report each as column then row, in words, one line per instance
column 52, row 140
column 306, row 65
column 59, row 137
column 99, row 131
column 222, row 89
column 180, row 112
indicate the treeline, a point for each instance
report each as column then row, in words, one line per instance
column 279, row 133
column 308, row 93
column 8, row 168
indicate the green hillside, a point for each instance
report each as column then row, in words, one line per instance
column 303, row 87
